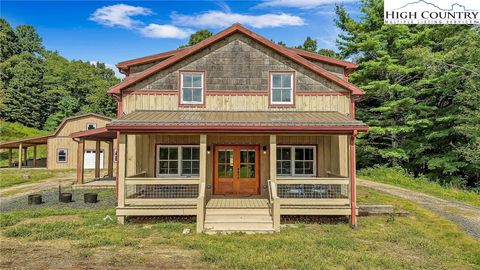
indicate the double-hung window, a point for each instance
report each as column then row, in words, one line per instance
column 191, row 88
column 296, row 161
column 178, row 160
column 62, row 155
column 281, row 88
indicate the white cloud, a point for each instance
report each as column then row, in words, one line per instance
column 164, row 31
column 119, row 15
column 219, row 19
column 305, row 4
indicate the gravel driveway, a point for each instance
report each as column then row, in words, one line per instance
column 467, row 217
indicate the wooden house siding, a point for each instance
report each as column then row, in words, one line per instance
column 236, row 102
column 331, row 152
column 62, row 140
column 237, row 63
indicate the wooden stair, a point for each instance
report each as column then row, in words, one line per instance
column 242, row 215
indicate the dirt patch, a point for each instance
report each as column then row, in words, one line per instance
column 20, row 254
column 467, row 217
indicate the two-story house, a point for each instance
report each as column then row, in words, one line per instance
column 237, row 131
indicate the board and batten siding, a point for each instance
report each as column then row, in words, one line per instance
column 62, row 140
column 232, row 102
column 331, row 152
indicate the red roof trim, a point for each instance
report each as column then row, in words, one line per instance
column 325, row 59
column 147, row 59
column 239, row 129
column 235, row 28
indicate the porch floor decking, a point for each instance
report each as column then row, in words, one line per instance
column 237, row 203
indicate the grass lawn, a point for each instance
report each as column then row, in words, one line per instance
column 12, row 177
column 81, row 237
column 399, row 178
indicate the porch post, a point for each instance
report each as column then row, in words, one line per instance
column 25, row 155
column 201, row 186
column 34, row 156
column 273, row 178
column 9, row 157
column 122, row 160
column 20, row 156
column 80, row 160
column 110, row 159
column 97, row 159
column 353, row 191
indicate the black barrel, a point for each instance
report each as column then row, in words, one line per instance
column 65, row 197
column 35, row 199
column 90, row 197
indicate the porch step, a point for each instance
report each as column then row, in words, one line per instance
column 228, row 219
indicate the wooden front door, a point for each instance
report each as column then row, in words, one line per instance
column 236, row 170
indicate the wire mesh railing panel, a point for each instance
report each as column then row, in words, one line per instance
column 165, row 191
column 313, row 191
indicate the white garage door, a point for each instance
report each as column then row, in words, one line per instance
column 89, row 160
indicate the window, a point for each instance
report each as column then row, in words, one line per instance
column 61, row 155
column 191, row 88
column 91, row 126
column 296, row 160
column 178, row 160
column 281, row 88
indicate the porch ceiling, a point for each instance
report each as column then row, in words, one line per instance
column 237, row 120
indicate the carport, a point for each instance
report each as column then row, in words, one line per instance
column 22, row 148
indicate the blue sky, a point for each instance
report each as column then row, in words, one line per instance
column 114, row 31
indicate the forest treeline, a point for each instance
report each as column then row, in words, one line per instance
column 422, row 85
column 38, row 87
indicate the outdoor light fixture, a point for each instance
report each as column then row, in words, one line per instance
column 208, row 149
column 264, row 149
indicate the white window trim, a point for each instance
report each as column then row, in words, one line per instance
column 179, row 160
column 181, row 88
column 271, row 88
column 292, row 160
column 66, row 155
column 93, row 124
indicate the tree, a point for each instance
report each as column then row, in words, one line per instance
column 329, row 53
column 8, row 41
column 420, row 82
column 23, row 92
column 197, row 37
column 309, row 45
column 28, row 40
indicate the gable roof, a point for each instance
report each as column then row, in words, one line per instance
column 182, row 54
column 65, row 120
column 125, row 65
column 43, row 139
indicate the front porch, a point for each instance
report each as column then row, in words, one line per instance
column 329, row 190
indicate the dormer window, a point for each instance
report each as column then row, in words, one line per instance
column 91, row 126
column 281, row 88
column 192, row 88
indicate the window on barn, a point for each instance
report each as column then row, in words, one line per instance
column 62, row 155
column 91, row 126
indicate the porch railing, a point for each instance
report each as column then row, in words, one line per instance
column 313, row 191
column 161, row 191
column 274, row 202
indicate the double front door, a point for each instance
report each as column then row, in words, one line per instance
column 236, row 170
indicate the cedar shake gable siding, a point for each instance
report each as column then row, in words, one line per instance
column 237, row 63
column 286, row 56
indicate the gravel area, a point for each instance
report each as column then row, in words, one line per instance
column 106, row 199
column 467, row 217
